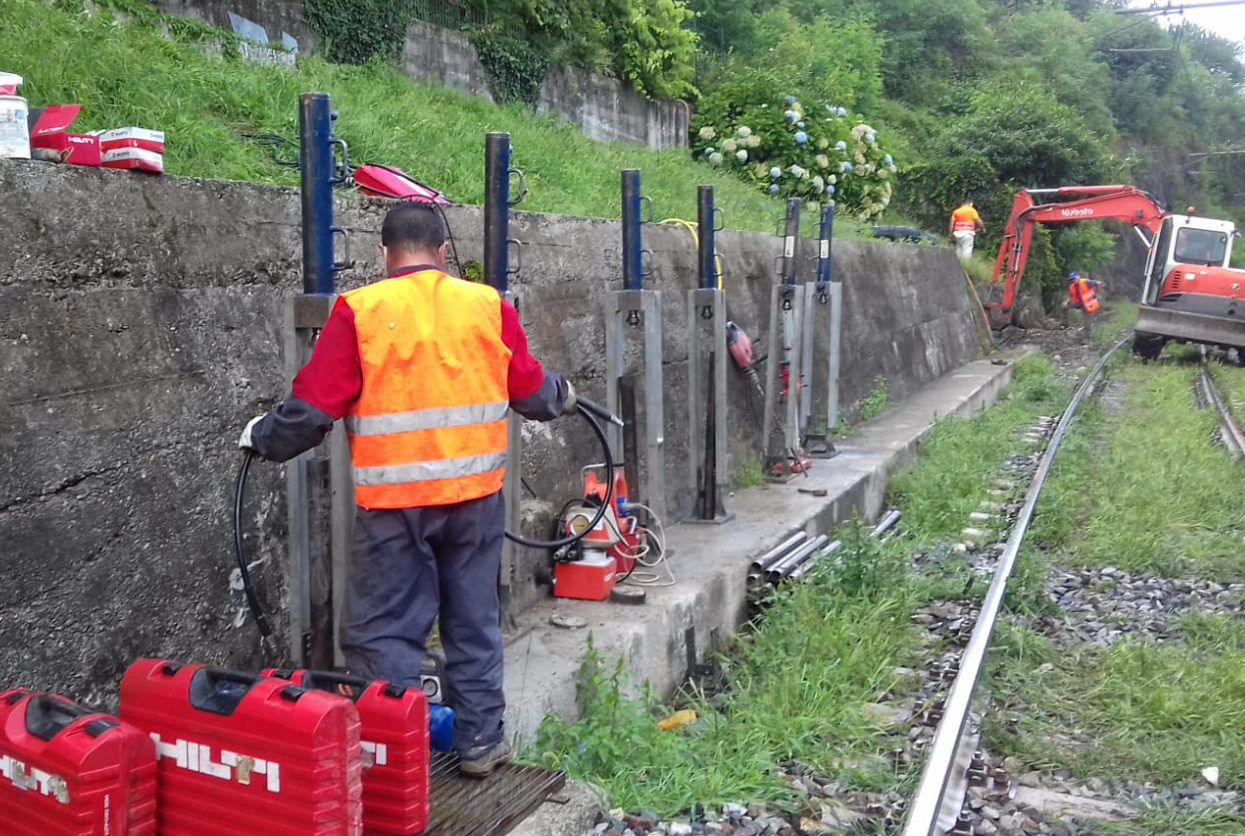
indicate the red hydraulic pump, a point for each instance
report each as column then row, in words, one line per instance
column 607, row 553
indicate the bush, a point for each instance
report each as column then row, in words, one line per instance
column 817, row 155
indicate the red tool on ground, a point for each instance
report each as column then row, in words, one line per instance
column 608, row 551
column 740, row 347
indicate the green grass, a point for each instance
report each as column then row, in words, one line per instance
column 960, row 458
column 1148, row 713
column 1174, row 503
column 135, row 75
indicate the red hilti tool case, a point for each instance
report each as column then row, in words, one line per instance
column 395, row 745
column 69, row 771
column 241, row 754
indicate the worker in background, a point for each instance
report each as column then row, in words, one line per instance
column 963, row 228
column 424, row 367
column 1083, row 296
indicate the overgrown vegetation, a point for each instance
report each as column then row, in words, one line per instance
column 208, row 104
column 1175, row 510
column 802, row 676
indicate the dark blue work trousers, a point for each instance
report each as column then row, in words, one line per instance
column 411, row 564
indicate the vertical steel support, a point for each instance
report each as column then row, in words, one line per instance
column 819, row 294
column 706, row 310
column 634, row 305
column 319, row 542
column 825, row 276
column 497, row 173
column 784, row 320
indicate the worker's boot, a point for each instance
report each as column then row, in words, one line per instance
column 480, row 761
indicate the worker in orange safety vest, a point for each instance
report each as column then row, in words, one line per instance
column 965, row 222
column 424, row 368
column 1081, row 293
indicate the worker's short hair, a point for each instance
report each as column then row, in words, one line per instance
column 413, row 225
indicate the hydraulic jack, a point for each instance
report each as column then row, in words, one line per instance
column 784, row 370
column 706, row 311
column 822, row 294
column 497, row 272
column 630, row 308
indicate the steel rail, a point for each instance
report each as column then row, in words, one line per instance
column 1234, row 437
column 923, row 813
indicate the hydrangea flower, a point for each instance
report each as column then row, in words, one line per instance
column 791, row 115
column 818, row 183
column 796, row 171
column 742, row 156
column 728, row 145
column 800, row 137
column 870, row 138
column 845, row 166
column 840, row 146
column 791, row 100
column 823, row 161
column 752, row 141
column 715, row 158
column 830, row 189
column 799, row 124
column 744, row 132
column 773, row 189
column 823, row 144
column 887, row 161
column 833, row 178
column 775, row 172
column 709, row 150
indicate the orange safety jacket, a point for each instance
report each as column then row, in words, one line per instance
column 429, row 425
column 964, row 219
column 1081, row 292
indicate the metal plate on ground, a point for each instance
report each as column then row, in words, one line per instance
column 490, row 806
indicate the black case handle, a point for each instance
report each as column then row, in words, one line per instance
column 47, row 716
column 219, row 690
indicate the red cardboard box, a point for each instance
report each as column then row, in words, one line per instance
column 47, row 130
column 134, row 158
column 142, row 138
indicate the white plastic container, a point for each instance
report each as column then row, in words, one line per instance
column 14, row 133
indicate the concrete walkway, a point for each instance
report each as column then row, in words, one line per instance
column 710, row 564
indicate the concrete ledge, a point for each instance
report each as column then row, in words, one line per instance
column 710, row 562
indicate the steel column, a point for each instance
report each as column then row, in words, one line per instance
column 784, row 345
column 319, row 541
column 634, row 305
column 497, row 203
column 706, row 310
column 819, row 294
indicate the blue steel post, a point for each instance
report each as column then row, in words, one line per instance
column 632, row 278
column 706, row 261
column 823, row 255
column 791, row 239
column 315, row 158
column 497, row 210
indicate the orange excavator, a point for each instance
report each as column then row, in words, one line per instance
column 1190, row 295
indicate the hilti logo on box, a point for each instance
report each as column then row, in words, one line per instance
column 196, row 757
column 374, row 754
column 30, row 778
column 141, row 138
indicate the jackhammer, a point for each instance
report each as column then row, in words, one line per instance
column 740, row 347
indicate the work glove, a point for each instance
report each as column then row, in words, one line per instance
column 244, row 443
column 568, row 405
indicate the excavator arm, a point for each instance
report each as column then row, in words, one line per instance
column 1123, row 203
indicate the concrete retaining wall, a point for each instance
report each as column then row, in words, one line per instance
column 141, row 317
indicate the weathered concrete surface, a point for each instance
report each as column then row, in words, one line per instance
column 436, row 54
column 141, row 328
column 606, row 108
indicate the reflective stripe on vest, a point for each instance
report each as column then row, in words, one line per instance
column 429, row 426
column 426, row 419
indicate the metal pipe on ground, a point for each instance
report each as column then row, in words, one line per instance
column 762, row 563
column 887, row 522
column 787, row 565
column 807, row 566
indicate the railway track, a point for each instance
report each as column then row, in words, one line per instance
column 961, row 789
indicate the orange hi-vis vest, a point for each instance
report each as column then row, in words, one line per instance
column 964, row 219
column 429, row 426
column 1082, row 293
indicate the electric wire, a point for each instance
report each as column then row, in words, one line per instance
column 265, row 629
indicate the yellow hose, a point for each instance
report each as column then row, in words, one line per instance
column 694, row 230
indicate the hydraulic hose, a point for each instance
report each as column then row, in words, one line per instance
column 590, row 412
column 588, row 409
column 265, row 629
